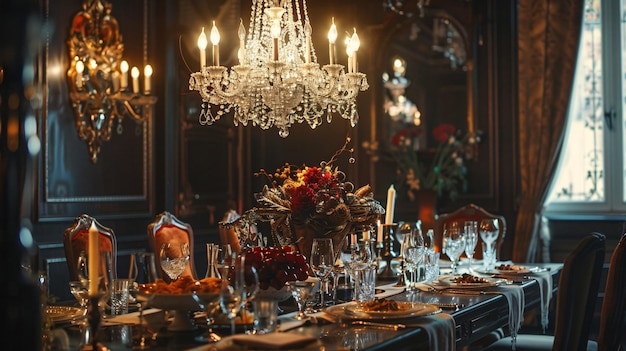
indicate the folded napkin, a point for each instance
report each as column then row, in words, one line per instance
column 271, row 340
column 515, row 297
column 441, row 331
column 132, row 318
column 544, row 279
column 388, row 290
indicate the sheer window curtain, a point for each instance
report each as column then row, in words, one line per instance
column 548, row 39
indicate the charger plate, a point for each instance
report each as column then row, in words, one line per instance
column 63, row 314
column 406, row 310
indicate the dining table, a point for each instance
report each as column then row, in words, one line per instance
column 460, row 318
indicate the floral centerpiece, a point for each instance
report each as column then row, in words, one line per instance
column 304, row 202
column 443, row 171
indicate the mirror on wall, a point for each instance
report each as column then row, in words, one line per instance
column 427, row 78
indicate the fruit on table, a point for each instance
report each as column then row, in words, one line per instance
column 276, row 266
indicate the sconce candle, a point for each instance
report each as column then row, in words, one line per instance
column 202, row 43
column 135, row 74
column 124, row 68
column 80, row 67
column 93, row 263
column 215, row 40
column 379, row 236
column 147, row 73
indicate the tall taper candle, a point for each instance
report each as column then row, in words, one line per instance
column 391, row 202
column 93, row 259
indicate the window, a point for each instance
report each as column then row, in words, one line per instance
column 591, row 177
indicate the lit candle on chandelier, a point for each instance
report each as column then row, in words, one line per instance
column 241, row 54
column 202, row 43
column 355, row 43
column 350, row 52
column 124, row 69
column 135, row 74
column 275, row 32
column 332, row 38
column 307, row 33
column 215, row 40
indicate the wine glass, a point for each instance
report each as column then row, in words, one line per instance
column 80, row 291
column 233, row 290
column 300, row 290
column 471, row 239
column 413, row 255
column 454, row 243
column 322, row 263
column 489, row 231
column 174, row 259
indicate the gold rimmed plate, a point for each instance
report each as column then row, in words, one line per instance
column 449, row 282
column 405, row 310
column 64, row 314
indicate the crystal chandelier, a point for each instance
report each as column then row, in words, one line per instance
column 278, row 81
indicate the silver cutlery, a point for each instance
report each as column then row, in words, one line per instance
column 394, row 326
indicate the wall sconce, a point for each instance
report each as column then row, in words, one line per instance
column 98, row 77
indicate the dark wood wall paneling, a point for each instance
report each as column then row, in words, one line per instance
column 196, row 171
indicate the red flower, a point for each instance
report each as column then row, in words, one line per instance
column 302, row 201
column 443, row 132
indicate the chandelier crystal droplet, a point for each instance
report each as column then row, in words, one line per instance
column 278, row 81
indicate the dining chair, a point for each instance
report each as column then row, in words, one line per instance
column 612, row 334
column 578, row 288
column 469, row 212
column 166, row 228
column 76, row 240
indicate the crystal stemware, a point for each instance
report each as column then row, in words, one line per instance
column 471, row 239
column 233, row 287
column 454, row 245
column 174, row 259
column 80, row 291
column 489, row 232
column 413, row 255
column 300, row 290
column 322, row 263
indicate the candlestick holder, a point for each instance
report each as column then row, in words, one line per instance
column 94, row 319
column 388, row 253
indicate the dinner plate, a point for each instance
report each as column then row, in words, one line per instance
column 449, row 282
column 63, row 314
column 407, row 309
column 515, row 269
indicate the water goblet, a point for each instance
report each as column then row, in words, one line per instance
column 174, row 260
column 233, row 287
column 413, row 255
column 322, row 263
column 471, row 239
column 454, row 245
column 300, row 290
column 489, row 232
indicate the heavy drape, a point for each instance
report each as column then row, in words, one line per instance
column 549, row 35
